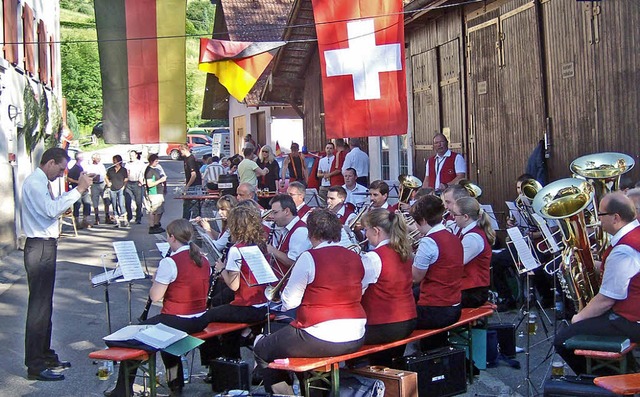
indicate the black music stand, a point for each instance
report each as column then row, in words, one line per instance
column 105, row 279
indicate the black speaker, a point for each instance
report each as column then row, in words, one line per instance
column 574, row 386
column 506, row 338
column 229, row 374
column 441, row 372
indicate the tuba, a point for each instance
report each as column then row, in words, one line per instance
column 473, row 189
column 529, row 188
column 408, row 184
column 566, row 200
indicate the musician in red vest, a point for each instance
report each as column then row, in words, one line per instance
column 181, row 283
column 614, row 311
column 250, row 303
column 477, row 236
column 291, row 235
column 298, row 192
column 330, row 320
column 294, row 163
column 446, row 167
column 378, row 193
column 336, row 197
column 438, row 268
column 387, row 284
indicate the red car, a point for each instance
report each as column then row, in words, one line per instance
column 192, row 140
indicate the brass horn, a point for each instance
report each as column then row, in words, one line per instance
column 473, row 189
column 408, row 184
column 529, row 188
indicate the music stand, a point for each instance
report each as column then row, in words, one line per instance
column 105, row 279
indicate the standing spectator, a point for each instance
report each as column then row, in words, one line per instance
column 72, row 178
column 156, row 189
column 248, row 141
column 40, row 213
column 324, row 170
column 97, row 189
column 116, row 181
column 294, row 163
column 135, row 185
column 211, row 173
column 193, row 180
column 446, row 167
column 270, row 180
column 337, row 179
column 356, row 193
column 248, row 170
column 358, row 160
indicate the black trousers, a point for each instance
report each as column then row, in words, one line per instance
column 133, row 194
column 474, row 297
column 434, row 317
column 294, row 342
column 604, row 325
column 385, row 333
column 172, row 363
column 40, row 263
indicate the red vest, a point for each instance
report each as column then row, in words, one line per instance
column 338, row 160
column 187, row 294
column 477, row 271
column 628, row 308
column 284, row 244
column 348, row 210
column 247, row 295
column 441, row 285
column 336, row 289
column 447, row 172
column 390, row 299
column 303, row 210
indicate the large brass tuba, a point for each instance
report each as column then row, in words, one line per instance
column 565, row 200
column 529, row 188
column 408, row 184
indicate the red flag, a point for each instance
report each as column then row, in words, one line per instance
column 361, row 46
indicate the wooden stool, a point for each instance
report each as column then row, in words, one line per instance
column 620, row 384
column 68, row 214
column 596, row 359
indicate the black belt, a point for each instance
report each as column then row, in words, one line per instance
column 42, row 238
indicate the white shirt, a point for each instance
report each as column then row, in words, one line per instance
column 460, row 165
column 98, row 169
column 324, row 166
column 356, row 199
column 299, row 241
column 472, row 243
column 428, row 252
column 211, row 173
column 303, row 274
column 223, row 239
column 358, row 160
column 40, row 211
column 136, row 170
column 622, row 264
column 372, row 266
column 234, row 264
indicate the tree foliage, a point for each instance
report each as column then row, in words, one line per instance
column 200, row 15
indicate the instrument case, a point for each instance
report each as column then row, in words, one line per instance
column 397, row 382
column 229, row 374
column 574, row 386
column 506, row 338
column 441, row 372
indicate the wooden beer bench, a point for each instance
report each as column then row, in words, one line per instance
column 626, row 385
column 327, row 368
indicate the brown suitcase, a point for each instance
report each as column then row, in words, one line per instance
column 396, row 382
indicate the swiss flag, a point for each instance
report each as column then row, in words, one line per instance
column 361, row 46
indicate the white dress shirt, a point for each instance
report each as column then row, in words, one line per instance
column 460, row 165
column 324, row 166
column 472, row 243
column 136, row 170
column 358, row 160
column 303, row 274
column 299, row 241
column 40, row 211
column 356, row 199
column 98, row 169
column 622, row 264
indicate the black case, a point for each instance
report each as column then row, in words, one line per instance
column 574, row 386
column 441, row 372
column 506, row 338
column 229, row 374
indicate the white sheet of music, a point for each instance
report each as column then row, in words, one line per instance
column 548, row 235
column 163, row 248
column 258, row 265
column 524, row 251
column 514, row 211
column 492, row 216
column 128, row 260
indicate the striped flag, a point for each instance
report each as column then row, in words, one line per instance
column 238, row 65
column 142, row 63
column 278, row 150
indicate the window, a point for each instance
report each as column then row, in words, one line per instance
column 402, row 154
column 384, row 156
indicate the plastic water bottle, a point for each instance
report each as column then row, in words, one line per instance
column 185, row 368
column 296, row 386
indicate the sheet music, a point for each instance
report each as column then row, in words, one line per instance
column 128, row 260
column 548, row 235
column 258, row 265
column 492, row 216
column 107, row 276
column 522, row 247
column 163, row 248
column 514, row 212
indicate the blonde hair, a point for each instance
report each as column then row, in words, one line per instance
column 470, row 206
column 245, row 225
column 271, row 158
column 394, row 226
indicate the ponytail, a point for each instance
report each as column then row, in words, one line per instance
column 485, row 223
column 470, row 206
column 398, row 237
column 195, row 254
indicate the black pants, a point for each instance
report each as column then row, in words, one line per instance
column 604, row 325
column 385, row 333
column 172, row 363
column 40, row 264
column 294, row 342
column 475, row 297
column 85, row 202
column 434, row 317
column 133, row 194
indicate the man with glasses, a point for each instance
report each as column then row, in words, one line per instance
column 297, row 191
column 291, row 237
column 614, row 311
column 446, row 167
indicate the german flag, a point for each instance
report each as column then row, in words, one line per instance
column 142, row 63
column 238, row 65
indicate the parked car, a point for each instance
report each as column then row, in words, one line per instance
column 193, row 140
column 98, row 130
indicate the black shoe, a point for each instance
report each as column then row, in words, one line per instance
column 45, row 375
column 155, row 230
column 58, row 365
column 138, row 221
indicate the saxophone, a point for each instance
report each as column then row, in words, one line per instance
column 566, row 200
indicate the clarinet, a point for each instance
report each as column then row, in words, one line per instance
column 216, row 274
column 147, row 306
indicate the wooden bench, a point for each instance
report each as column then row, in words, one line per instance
column 322, row 366
column 597, row 359
column 626, row 385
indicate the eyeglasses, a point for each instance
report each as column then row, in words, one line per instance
column 454, row 215
column 265, row 151
column 605, row 213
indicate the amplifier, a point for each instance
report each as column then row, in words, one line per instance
column 229, row 374
column 441, row 372
column 574, row 386
column 506, row 338
column 397, row 382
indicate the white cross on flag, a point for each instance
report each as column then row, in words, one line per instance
column 361, row 46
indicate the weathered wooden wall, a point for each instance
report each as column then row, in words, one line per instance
column 314, row 133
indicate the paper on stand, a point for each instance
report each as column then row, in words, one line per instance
column 492, row 216
column 521, row 245
column 128, row 260
column 258, row 264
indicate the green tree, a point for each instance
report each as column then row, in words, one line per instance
column 200, row 17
